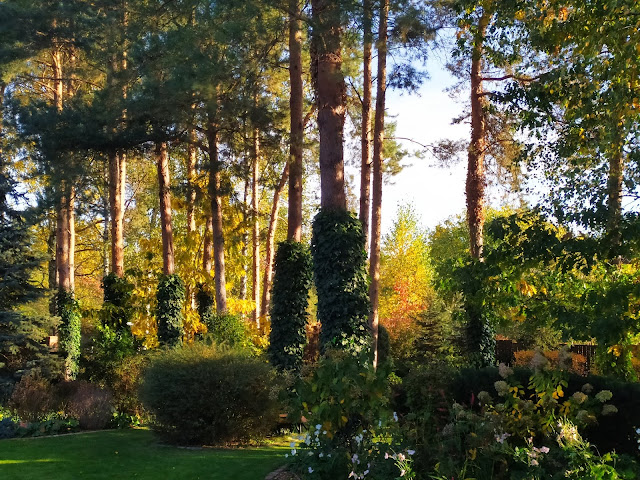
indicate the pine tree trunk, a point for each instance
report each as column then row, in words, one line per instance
column 216, row 214
column 164, row 185
column 255, row 237
column 331, row 100
column 62, row 241
column 191, row 181
column 207, row 255
column 244, row 252
column 378, row 142
column 117, row 175
column 270, row 244
column 476, row 175
column 365, row 139
column 294, row 225
column 71, row 216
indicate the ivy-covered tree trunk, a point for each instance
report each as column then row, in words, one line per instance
column 365, row 134
column 69, row 331
column 287, row 338
column 340, row 274
column 170, row 296
column 378, row 142
column 164, row 185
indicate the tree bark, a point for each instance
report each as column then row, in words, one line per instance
column 294, row 220
column 245, row 242
column 164, row 183
column 270, row 244
column 117, row 181
column 62, row 241
column 365, row 139
column 378, row 142
column 191, row 180
column 255, row 237
column 216, row 214
column 331, row 100
column 476, row 175
column 71, row 216
column 207, row 255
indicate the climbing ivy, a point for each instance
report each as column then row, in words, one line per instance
column 68, row 310
column 289, row 301
column 171, row 296
column 340, row 274
column 117, row 310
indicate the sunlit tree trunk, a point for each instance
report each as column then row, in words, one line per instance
column 164, row 184
column 255, row 217
column 331, row 100
column 294, row 226
column 207, row 253
column 270, row 244
column 476, row 175
column 365, row 139
column 244, row 253
column 378, row 142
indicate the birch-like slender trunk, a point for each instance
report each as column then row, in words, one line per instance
column 378, row 143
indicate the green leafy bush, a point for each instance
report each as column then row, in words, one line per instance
column 289, row 301
column 108, row 349
column 227, row 329
column 127, row 378
column 351, row 428
column 200, row 394
column 171, row 295
column 340, row 274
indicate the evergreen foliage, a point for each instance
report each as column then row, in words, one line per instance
column 171, row 295
column 69, row 312
column 289, row 301
column 339, row 269
column 205, row 305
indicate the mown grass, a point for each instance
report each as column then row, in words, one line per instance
column 130, row 454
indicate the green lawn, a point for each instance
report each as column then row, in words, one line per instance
column 130, row 454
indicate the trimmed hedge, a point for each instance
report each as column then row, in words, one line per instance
column 340, row 274
column 289, row 302
column 204, row 396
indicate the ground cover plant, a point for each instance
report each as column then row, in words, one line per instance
column 130, row 453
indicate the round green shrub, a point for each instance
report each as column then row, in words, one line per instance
column 171, row 295
column 289, row 302
column 340, row 274
column 203, row 395
column 227, row 329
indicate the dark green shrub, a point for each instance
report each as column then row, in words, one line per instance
column 117, row 310
column 199, row 394
column 340, row 274
column 289, row 301
column 68, row 310
column 127, row 378
column 8, row 428
column 171, row 295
